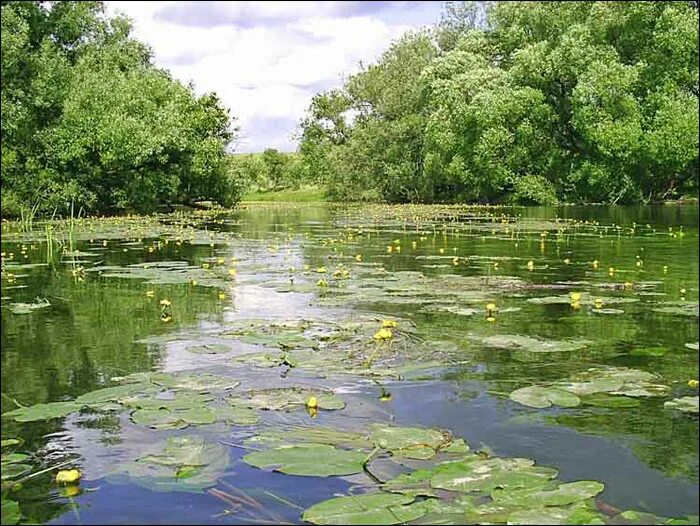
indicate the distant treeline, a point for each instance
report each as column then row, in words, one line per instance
column 89, row 121
column 268, row 171
column 527, row 102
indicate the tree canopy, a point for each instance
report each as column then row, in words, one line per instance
column 88, row 119
column 529, row 102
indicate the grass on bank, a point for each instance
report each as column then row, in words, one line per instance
column 303, row 194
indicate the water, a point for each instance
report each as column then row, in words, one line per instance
column 647, row 456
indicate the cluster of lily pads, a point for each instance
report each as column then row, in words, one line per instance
column 13, row 466
column 616, row 387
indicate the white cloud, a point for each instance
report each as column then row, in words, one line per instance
column 267, row 59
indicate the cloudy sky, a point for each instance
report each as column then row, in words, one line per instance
column 267, row 59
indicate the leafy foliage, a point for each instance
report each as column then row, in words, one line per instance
column 89, row 121
column 529, row 102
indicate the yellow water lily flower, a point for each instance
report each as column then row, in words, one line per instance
column 321, row 269
column 358, row 257
column 598, row 302
column 220, row 261
column 595, row 263
column 442, row 251
column 530, row 265
column 567, row 261
column 682, row 291
column 575, row 297
column 383, row 334
column 490, row 319
column 194, row 282
column 455, row 260
column 388, row 323
column 693, row 383
column 389, row 249
column 150, row 293
column 165, row 303
column 68, row 476
column 312, row 402
column 322, row 283
column 166, row 319
column 222, row 296
column 232, row 272
column 491, row 306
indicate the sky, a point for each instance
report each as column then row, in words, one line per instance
column 266, row 60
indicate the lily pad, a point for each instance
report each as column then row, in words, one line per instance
column 541, row 397
column 11, row 512
column 13, row 471
column 525, row 343
column 42, row 411
column 310, row 460
column 290, row 398
column 185, row 463
column 409, row 442
column 686, row 404
column 371, row 508
column 539, row 498
column 210, row 348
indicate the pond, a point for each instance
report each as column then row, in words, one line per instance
column 418, row 364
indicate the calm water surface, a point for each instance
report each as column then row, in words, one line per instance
column 95, row 327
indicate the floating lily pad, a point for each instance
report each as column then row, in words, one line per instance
column 686, row 404
column 311, row 460
column 43, row 411
column 541, row 397
column 525, row 343
column 28, row 308
column 110, row 394
column 9, row 442
column 606, row 400
column 409, row 442
column 13, row 458
column 210, row 348
column 13, row 471
column 539, row 498
column 237, row 415
column 11, row 512
column 648, row 351
column 185, row 463
column 372, row 508
column 290, row 398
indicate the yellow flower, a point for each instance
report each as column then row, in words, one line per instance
column 530, row 265
column 682, row 291
column 598, row 302
column 232, row 272
column 383, row 334
column 490, row 319
column 312, row 402
column 165, row 303
column 321, row 269
column 70, row 491
column 455, row 260
column 567, row 261
column 388, row 323
column 442, row 251
column 166, row 319
column 222, row 296
column 358, row 257
column 205, row 265
column 665, row 269
column 150, row 293
column 389, row 249
column 322, row 283
column 68, row 476
column 194, row 282
column 220, row 261
column 595, row 263
column 575, row 305
column 575, row 297
column 491, row 307
column 693, row 383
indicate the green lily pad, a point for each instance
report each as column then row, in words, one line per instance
column 371, row 508
column 525, row 343
column 564, row 515
column 43, row 411
column 686, row 404
column 203, row 382
column 541, row 397
column 538, row 498
column 290, row 398
column 166, row 419
column 110, row 394
column 13, row 458
column 210, row 348
column 310, row 460
column 28, row 308
column 9, row 442
column 185, row 463
column 409, row 442
column 605, row 400
column 12, row 471
column 649, row 351
column 486, row 475
column 11, row 512
column 236, row 415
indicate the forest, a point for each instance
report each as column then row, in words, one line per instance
column 499, row 102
